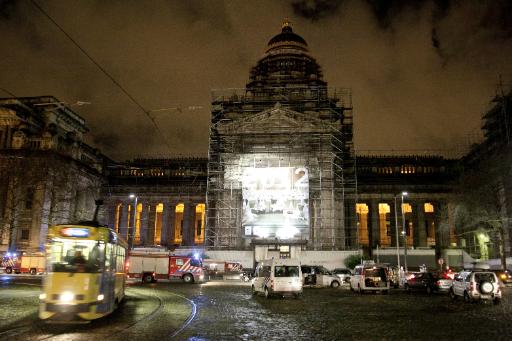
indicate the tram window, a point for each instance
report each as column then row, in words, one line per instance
column 109, row 258
column 76, row 256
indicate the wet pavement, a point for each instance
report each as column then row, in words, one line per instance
column 337, row 314
column 227, row 310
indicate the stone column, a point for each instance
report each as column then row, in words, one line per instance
column 123, row 223
column 165, row 224
column 150, row 241
column 144, row 220
column 420, row 230
column 438, row 231
column 168, row 223
column 393, row 221
column 373, row 222
column 188, row 224
column 351, row 237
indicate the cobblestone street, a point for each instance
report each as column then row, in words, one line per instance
column 224, row 310
column 231, row 313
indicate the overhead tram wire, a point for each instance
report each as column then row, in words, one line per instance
column 146, row 112
column 8, row 92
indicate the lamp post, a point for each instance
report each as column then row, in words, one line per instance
column 130, row 233
column 397, row 240
column 404, row 231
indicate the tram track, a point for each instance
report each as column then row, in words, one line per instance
column 120, row 329
column 143, row 319
column 103, row 328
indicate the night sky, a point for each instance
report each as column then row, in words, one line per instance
column 421, row 72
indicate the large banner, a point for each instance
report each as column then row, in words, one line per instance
column 276, row 202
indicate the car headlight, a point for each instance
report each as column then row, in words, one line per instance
column 67, row 297
column 101, row 297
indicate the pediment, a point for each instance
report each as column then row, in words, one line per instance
column 275, row 120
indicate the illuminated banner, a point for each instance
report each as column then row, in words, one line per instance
column 77, row 232
column 276, row 202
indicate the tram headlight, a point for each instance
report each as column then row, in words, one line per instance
column 101, row 297
column 42, row 296
column 67, row 297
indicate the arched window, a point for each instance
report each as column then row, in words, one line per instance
column 137, row 223
column 199, row 223
column 384, row 225
column 178, row 223
column 158, row 223
column 362, row 221
column 117, row 223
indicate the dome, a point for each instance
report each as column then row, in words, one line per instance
column 286, row 62
column 287, row 37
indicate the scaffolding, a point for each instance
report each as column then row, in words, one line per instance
column 309, row 127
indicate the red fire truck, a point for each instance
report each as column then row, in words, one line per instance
column 32, row 263
column 150, row 266
column 220, row 268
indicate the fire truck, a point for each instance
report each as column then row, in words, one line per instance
column 150, row 266
column 32, row 263
column 220, row 268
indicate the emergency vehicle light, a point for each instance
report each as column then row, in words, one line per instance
column 75, row 232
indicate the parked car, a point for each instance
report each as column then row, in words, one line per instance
column 319, row 276
column 504, row 276
column 476, row 285
column 370, row 278
column 428, row 282
column 278, row 277
column 343, row 274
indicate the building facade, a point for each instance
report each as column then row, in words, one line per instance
column 281, row 176
column 157, row 202
column 281, row 157
column 48, row 175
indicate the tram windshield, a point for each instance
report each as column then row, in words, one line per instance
column 76, row 256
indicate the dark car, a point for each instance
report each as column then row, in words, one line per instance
column 428, row 282
column 505, row 276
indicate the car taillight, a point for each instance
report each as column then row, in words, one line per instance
column 438, row 283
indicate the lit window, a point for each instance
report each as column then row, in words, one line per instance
column 429, row 208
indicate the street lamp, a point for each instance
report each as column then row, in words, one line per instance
column 404, row 231
column 397, row 240
column 398, row 235
column 130, row 234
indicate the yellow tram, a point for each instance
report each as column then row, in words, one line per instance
column 85, row 272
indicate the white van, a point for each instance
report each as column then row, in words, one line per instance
column 278, row 276
column 370, row 278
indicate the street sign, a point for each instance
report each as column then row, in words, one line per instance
column 440, row 261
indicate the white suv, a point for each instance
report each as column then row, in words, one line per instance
column 476, row 285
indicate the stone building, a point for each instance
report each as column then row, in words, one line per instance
column 48, row 175
column 281, row 158
column 282, row 177
column 484, row 222
column 157, row 202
